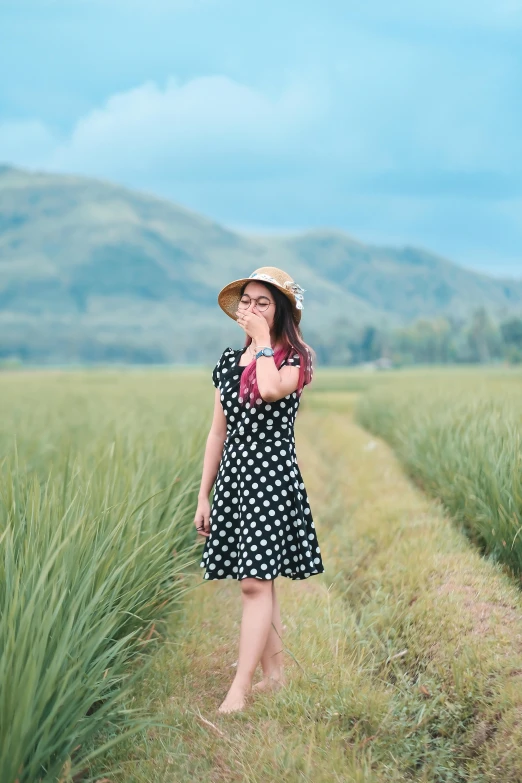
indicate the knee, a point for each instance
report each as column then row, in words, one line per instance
column 252, row 587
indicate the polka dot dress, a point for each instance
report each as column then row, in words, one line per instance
column 260, row 523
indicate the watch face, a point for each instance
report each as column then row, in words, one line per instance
column 268, row 352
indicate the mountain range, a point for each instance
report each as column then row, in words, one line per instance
column 92, row 271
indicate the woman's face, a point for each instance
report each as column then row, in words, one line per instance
column 258, row 298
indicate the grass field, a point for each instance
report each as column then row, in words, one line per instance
column 97, row 481
column 459, row 436
column 404, row 657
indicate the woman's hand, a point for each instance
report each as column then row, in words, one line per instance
column 255, row 326
column 202, row 517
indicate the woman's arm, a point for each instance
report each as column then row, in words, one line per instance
column 213, row 452
column 273, row 384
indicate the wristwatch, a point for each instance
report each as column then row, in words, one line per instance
column 265, row 352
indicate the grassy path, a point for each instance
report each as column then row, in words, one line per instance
column 404, row 658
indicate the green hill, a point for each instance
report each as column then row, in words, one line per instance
column 93, row 271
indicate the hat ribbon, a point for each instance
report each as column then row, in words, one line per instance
column 289, row 284
column 262, row 276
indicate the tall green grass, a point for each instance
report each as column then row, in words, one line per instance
column 462, row 442
column 97, row 489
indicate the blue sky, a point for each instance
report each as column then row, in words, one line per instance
column 396, row 122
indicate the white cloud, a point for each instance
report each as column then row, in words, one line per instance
column 201, row 128
column 205, row 128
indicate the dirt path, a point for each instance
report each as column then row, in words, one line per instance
column 403, row 658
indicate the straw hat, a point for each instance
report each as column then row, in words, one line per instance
column 229, row 296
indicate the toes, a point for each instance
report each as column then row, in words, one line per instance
column 236, row 707
column 268, row 684
column 232, row 704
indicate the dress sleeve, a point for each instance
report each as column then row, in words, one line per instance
column 216, row 372
column 294, row 360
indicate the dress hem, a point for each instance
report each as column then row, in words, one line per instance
column 295, row 578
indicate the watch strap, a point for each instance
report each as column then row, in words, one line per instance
column 265, row 351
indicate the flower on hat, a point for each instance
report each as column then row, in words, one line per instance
column 297, row 291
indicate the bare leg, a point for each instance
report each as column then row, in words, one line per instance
column 255, row 627
column 272, row 657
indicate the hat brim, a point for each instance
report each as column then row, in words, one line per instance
column 229, row 296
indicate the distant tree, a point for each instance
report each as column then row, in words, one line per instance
column 333, row 347
column 511, row 331
column 483, row 337
column 514, row 354
column 425, row 342
column 370, row 344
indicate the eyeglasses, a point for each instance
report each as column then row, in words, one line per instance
column 262, row 302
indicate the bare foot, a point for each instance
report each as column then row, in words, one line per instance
column 271, row 683
column 234, row 700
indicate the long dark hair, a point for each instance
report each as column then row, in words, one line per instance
column 286, row 331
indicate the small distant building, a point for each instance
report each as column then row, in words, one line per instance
column 382, row 363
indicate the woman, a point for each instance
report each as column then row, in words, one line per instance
column 260, row 525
